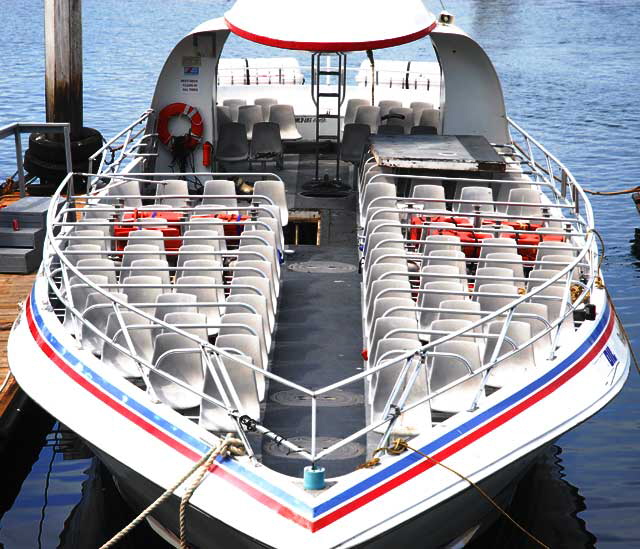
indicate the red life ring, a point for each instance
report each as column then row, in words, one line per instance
column 178, row 109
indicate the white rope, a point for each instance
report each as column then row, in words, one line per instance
column 228, row 445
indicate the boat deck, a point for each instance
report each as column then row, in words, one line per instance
column 318, row 337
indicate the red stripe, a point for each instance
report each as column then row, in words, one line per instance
column 369, row 496
column 219, row 471
column 472, row 437
column 330, row 46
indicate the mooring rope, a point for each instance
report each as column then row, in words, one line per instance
column 229, row 446
column 399, row 446
column 614, row 193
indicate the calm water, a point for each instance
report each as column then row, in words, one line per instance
column 570, row 72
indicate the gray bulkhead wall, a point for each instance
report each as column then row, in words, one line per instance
column 472, row 102
column 189, row 76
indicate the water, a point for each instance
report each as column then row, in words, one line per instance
column 570, row 75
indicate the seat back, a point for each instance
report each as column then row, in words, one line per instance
column 284, row 116
column 274, row 190
column 151, row 267
column 430, row 117
column 233, row 145
column 133, row 252
column 459, row 309
column 507, row 261
column 352, row 107
column 266, row 141
column 354, row 142
column 417, row 107
column 511, row 369
column 234, row 106
column 189, row 321
column 434, row 294
column 483, row 196
column 248, row 116
column 387, row 104
column 104, row 267
column 78, row 252
column 366, row 114
column 173, row 187
column 529, row 196
column 215, row 189
column 140, row 338
column 201, row 288
column 265, row 104
column 406, row 122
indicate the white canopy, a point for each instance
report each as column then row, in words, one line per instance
column 330, row 25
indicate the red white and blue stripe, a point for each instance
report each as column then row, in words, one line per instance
column 380, row 482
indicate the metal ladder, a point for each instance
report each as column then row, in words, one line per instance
column 333, row 89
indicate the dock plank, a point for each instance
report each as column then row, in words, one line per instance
column 14, row 288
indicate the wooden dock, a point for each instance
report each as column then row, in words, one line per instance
column 13, row 289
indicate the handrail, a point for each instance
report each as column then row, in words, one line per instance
column 587, row 251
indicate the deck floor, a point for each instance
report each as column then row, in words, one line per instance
column 318, row 337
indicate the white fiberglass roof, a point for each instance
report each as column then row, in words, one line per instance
column 330, row 25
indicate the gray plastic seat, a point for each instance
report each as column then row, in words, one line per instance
column 128, row 189
column 254, row 285
column 180, row 357
column 211, row 268
column 406, row 122
column 104, row 267
column 438, row 242
column 551, row 260
column 446, row 326
column 507, row 261
column 512, row 369
column 499, row 245
column 173, row 303
column 501, row 275
column 98, row 307
column 555, row 295
column 88, row 236
column 223, row 116
column 417, row 107
column 377, row 195
column 201, row 288
column 133, row 252
column 459, row 309
column 461, row 185
column 80, row 290
column 447, row 257
column 430, row 117
column 240, row 303
column 390, row 130
column 194, row 251
column 386, row 289
column 354, row 143
column 177, row 187
column 197, row 222
column 274, row 190
column 215, row 190
column 446, row 369
column 284, row 116
column 215, row 418
column 244, row 379
column 483, row 196
column 435, row 194
column 383, row 307
column 261, row 253
column 190, row 322
column 542, row 346
column 265, row 104
column 202, row 237
column 143, row 289
column 252, row 268
column 387, row 104
column 491, row 303
column 537, row 277
column 381, row 271
column 550, row 247
column 434, row 294
column 139, row 330
column 233, row 145
column 352, row 107
column 234, row 106
column 511, row 181
column 366, row 114
column 78, row 252
column 151, row 267
column 391, row 327
column 247, row 324
column 248, row 116
column 415, row 420
column 266, row 143
column 525, row 196
column 153, row 237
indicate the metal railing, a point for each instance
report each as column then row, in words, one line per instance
column 18, row 128
column 549, row 174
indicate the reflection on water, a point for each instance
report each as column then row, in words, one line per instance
column 571, row 74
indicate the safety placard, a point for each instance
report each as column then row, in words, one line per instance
column 189, row 85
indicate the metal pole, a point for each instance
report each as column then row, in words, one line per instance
column 23, row 187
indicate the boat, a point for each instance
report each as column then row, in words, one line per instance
column 362, row 298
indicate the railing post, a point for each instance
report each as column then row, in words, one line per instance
column 563, row 185
column 22, row 185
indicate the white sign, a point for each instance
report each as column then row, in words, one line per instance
column 189, row 85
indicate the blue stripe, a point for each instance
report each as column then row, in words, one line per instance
column 153, row 418
column 474, row 422
column 355, row 490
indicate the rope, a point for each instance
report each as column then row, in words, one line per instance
column 6, row 381
column 614, row 193
column 228, row 446
column 400, row 445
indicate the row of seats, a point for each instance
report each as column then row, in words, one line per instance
column 391, row 118
column 418, row 291
column 216, row 293
column 264, row 110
